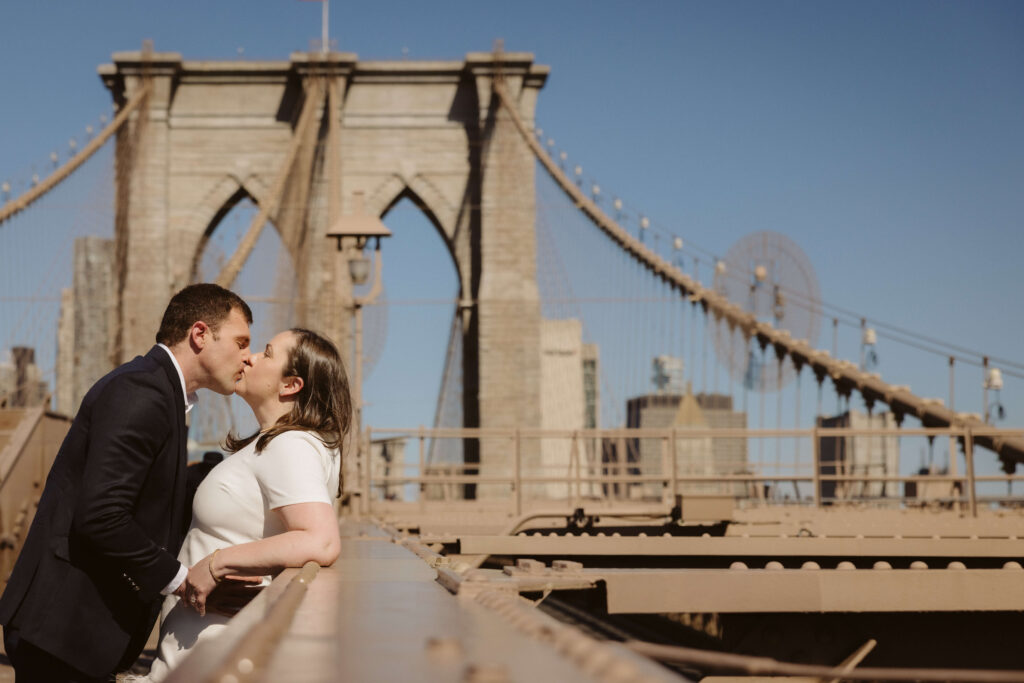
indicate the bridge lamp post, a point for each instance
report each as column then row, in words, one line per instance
column 351, row 234
column 993, row 382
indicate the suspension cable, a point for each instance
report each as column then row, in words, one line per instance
column 814, row 304
column 842, row 373
column 22, row 202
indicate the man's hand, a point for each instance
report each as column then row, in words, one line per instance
column 198, row 586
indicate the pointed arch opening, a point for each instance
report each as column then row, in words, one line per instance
column 421, row 284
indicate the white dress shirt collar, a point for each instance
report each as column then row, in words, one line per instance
column 190, row 399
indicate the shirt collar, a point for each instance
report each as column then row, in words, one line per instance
column 190, row 399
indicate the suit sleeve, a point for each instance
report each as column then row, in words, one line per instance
column 130, row 427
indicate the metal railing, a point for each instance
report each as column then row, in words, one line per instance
column 242, row 651
column 528, row 465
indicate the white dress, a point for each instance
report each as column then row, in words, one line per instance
column 234, row 505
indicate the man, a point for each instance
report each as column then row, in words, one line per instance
column 101, row 552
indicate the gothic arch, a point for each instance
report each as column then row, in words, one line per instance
column 425, row 196
column 222, row 197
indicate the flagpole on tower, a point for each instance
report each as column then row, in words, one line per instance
column 325, row 46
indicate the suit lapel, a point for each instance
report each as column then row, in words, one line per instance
column 180, row 441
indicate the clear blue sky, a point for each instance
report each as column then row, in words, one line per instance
column 885, row 138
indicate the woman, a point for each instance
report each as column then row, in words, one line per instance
column 269, row 504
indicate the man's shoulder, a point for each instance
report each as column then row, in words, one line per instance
column 143, row 372
column 156, row 362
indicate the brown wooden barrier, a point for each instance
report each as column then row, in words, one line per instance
column 29, row 440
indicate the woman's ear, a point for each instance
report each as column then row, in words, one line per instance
column 290, row 386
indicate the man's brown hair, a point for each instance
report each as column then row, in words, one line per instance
column 205, row 302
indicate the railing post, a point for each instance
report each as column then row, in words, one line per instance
column 518, row 474
column 621, row 457
column 606, row 463
column 422, row 471
column 816, row 458
column 972, row 500
column 574, row 457
column 666, row 469
column 673, row 453
column 367, row 470
column 954, row 467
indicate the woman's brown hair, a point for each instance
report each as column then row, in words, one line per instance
column 324, row 403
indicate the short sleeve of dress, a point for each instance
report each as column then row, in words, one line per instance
column 294, row 468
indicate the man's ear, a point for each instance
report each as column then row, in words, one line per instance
column 290, row 386
column 198, row 335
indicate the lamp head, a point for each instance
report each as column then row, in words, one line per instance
column 359, row 268
column 358, row 225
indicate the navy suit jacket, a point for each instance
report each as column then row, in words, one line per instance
column 103, row 544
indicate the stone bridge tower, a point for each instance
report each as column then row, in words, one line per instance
column 432, row 131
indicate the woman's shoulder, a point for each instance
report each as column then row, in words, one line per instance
column 295, row 440
column 295, row 456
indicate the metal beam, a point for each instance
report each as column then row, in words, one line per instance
column 637, row 591
column 731, row 546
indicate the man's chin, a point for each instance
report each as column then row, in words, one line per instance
column 225, row 390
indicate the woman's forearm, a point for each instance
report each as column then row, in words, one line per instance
column 312, row 535
column 271, row 554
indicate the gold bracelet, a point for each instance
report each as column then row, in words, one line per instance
column 210, row 566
